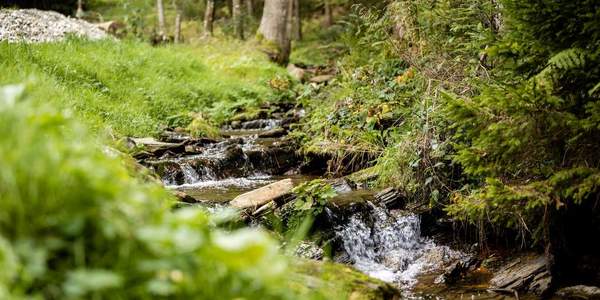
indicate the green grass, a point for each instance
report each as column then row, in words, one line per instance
column 131, row 88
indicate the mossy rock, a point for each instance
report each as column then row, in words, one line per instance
column 342, row 282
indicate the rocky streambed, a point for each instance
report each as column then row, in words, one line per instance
column 254, row 167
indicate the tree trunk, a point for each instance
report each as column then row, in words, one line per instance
column 274, row 29
column 229, row 7
column 250, row 8
column 178, row 28
column 161, row 19
column 328, row 14
column 238, row 23
column 79, row 13
column 296, row 34
column 209, row 16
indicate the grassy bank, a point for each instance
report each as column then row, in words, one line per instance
column 131, row 88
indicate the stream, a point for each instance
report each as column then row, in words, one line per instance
column 382, row 243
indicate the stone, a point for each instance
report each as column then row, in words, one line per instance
column 296, row 72
column 112, row 27
column 523, row 274
column 153, row 145
column 391, row 198
column 582, row 292
column 340, row 185
column 183, row 197
column 38, row 26
column 322, row 79
column 273, row 133
column 309, row 250
column 263, row 195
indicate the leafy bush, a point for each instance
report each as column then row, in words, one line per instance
column 74, row 224
column 311, row 199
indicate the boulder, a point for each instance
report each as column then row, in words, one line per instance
column 263, row 195
column 582, row 292
column 296, row 72
column 524, row 274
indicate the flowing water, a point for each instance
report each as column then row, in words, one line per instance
column 391, row 248
column 383, row 244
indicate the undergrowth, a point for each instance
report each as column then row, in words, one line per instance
column 485, row 109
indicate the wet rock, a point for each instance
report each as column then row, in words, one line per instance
column 183, row 197
column 174, row 137
column 263, row 195
column 362, row 178
column 340, row 185
column 457, row 270
column 524, row 274
column 581, row 292
column 193, row 149
column 391, row 198
column 236, row 124
column 345, row 281
column 273, row 133
column 261, row 124
column 309, row 250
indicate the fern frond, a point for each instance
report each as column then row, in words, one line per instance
column 569, row 59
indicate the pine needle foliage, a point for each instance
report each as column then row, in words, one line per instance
column 534, row 134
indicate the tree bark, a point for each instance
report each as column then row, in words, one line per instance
column 79, row 12
column 209, row 16
column 238, row 23
column 250, row 8
column 296, row 34
column 161, row 19
column 178, row 28
column 229, row 7
column 328, row 14
column 274, row 29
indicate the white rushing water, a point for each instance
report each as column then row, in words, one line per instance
column 391, row 248
column 223, row 184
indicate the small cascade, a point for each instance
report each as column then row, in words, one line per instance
column 391, row 248
column 190, row 175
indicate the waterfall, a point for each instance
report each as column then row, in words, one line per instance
column 390, row 247
column 190, row 175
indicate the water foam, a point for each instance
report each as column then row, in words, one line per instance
column 391, row 248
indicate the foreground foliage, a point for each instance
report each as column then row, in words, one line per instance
column 75, row 224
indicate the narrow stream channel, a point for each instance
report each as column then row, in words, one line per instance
column 387, row 245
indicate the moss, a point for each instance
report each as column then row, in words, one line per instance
column 344, row 282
